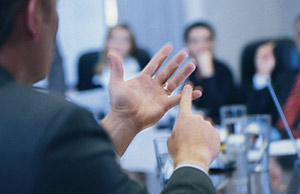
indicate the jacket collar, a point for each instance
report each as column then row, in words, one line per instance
column 5, row 77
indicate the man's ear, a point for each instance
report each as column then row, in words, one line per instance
column 33, row 18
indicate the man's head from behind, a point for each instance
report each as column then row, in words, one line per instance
column 27, row 34
column 198, row 37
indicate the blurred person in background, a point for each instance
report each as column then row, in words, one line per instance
column 55, row 81
column 284, row 80
column 258, row 98
column 94, row 69
column 212, row 75
column 286, row 84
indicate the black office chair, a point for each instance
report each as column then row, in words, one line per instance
column 85, row 71
column 285, row 51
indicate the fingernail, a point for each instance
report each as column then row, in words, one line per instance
column 186, row 50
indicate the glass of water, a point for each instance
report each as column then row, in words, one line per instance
column 231, row 131
column 164, row 160
column 257, row 131
column 233, row 139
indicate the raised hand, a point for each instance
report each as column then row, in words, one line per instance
column 142, row 101
column 205, row 64
column 265, row 59
column 193, row 140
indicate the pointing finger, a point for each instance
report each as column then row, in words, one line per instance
column 186, row 100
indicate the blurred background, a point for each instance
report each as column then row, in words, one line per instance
column 83, row 25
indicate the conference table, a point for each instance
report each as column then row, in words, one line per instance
column 139, row 160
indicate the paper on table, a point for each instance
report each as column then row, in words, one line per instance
column 283, row 147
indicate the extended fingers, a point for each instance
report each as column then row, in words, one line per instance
column 181, row 76
column 174, row 100
column 157, row 60
column 186, row 100
column 171, row 67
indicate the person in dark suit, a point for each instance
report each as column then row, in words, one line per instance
column 93, row 67
column 257, row 96
column 211, row 74
column 56, row 78
column 48, row 145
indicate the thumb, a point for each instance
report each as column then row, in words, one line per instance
column 116, row 61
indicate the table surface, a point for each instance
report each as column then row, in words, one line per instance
column 140, row 158
column 140, row 161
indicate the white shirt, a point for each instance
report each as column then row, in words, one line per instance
column 260, row 81
column 131, row 69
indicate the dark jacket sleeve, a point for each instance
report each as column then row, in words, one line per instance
column 189, row 180
column 77, row 156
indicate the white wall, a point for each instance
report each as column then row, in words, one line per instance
column 154, row 22
column 81, row 28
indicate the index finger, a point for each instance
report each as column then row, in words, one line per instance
column 186, row 100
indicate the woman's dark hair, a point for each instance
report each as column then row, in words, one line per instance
column 8, row 12
column 197, row 25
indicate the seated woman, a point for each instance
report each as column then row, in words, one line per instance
column 93, row 68
column 256, row 94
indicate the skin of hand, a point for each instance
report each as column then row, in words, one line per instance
column 193, row 140
column 265, row 59
column 142, row 101
column 205, row 64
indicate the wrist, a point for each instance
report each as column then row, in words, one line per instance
column 121, row 130
column 115, row 120
column 198, row 164
column 200, row 161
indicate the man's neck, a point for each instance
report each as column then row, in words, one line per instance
column 15, row 63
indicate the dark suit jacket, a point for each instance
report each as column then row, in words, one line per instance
column 88, row 61
column 48, row 145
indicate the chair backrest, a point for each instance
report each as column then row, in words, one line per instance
column 285, row 51
column 85, row 70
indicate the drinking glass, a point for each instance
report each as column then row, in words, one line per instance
column 231, row 131
column 233, row 139
column 164, row 160
column 257, row 132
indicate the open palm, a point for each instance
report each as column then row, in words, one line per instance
column 143, row 98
